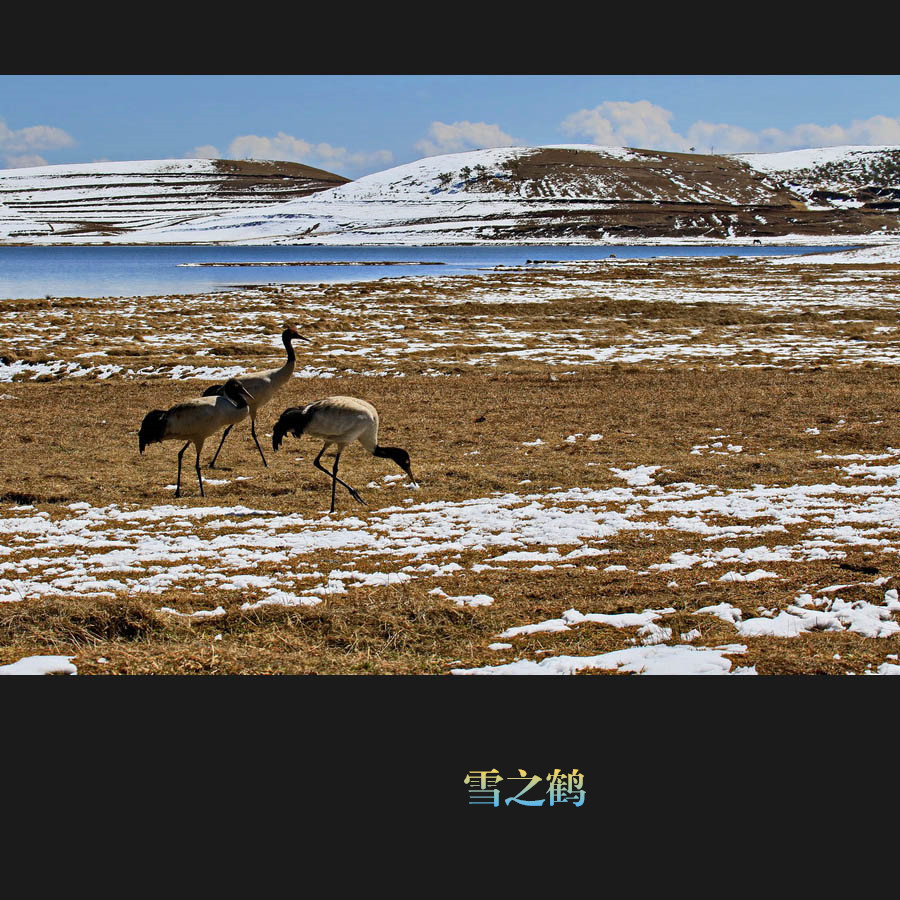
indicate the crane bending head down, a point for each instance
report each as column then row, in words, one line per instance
column 339, row 421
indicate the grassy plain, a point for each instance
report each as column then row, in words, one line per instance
column 651, row 386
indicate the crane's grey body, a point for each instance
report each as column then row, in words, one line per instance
column 194, row 421
column 338, row 421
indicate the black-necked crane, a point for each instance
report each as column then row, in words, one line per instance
column 340, row 421
column 262, row 386
column 194, row 421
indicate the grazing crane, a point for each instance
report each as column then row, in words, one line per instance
column 194, row 421
column 340, row 421
column 262, row 385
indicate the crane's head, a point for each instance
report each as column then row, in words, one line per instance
column 399, row 456
column 237, row 393
column 290, row 333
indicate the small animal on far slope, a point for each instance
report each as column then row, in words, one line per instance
column 263, row 386
column 194, row 421
column 340, row 421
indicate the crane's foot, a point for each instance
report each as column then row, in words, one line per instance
column 356, row 497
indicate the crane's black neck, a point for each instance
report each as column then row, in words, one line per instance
column 286, row 338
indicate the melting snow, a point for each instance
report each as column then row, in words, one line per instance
column 41, row 665
column 653, row 660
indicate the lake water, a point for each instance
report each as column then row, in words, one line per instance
column 27, row 272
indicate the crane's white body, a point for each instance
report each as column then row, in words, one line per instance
column 196, row 420
column 343, row 420
column 263, row 386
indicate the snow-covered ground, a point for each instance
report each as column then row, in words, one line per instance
column 268, row 557
column 41, row 665
column 883, row 251
column 52, row 204
column 378, row 335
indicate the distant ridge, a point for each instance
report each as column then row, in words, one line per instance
column 556, row 194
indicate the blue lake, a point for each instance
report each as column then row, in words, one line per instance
column 147, row 271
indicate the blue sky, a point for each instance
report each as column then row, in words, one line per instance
column 356, row 124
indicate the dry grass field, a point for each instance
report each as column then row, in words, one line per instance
column 657, row 466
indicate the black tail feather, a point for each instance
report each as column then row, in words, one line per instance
column 292, row 420
column 152, row 428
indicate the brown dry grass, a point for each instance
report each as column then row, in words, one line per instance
column 66, row 440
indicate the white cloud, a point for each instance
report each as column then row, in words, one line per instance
column 28, row 161
column 287, row 148
column 19, row 148
column 459, row 136
column 873, row 131
column 708, row 137
column 626, row 124
column 207, row 151
column 643, row 124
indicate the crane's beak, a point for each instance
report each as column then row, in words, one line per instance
column 245, row 394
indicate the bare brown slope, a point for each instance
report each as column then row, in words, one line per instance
column 648, row 176
column 653, row 194
column 286, row 179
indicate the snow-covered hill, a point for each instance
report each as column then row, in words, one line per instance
column 103, row 201
column 564, row 194
column 843, row 177
column 559, row 193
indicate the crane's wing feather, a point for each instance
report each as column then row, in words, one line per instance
column 294, row 420
column 153, row 428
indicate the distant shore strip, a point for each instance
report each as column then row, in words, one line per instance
column 330, row 262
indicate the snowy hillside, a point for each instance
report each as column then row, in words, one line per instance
column 567, row 172
column 847, row 162
column 511, row 194
column 103, row 200
column 560, row 194
column 843, row 177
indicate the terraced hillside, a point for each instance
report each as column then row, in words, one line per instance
column 106, row 199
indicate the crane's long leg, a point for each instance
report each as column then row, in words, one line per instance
column 197, row 467
column 334, row 469
column 253, row 432
column 212, row 465
column 178, row 480
column 334, row 479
